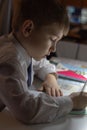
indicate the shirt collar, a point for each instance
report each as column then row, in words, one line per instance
column 20, row 48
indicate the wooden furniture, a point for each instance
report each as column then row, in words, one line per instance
column 77, row 3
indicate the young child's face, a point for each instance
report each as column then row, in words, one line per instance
column 43, row 41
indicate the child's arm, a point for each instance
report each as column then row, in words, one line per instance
column 47, row 72
column 32, row 106
column 26, row 105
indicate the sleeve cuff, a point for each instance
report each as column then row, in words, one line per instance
column 65, row 105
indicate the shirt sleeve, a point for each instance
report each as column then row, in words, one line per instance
column 26, row 105
column 43, row 67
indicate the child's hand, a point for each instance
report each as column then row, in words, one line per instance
column 79, row 100
column 50, row 86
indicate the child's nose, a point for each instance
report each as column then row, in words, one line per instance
column 53, row 48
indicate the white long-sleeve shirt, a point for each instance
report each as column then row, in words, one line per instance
column 28, row 106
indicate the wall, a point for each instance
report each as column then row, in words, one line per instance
column 69, row 49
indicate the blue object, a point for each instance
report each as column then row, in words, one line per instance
column 29, row 74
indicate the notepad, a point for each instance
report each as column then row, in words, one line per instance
column 70, row 86
column 71, row 75
column 72, row 72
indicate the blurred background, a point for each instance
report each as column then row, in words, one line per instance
column 74, row 45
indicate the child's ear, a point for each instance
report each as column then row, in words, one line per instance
column 27, row 28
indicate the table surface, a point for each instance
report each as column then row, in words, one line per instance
column 70, row 122
column 7, row 122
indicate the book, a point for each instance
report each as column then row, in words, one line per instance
column 72, row 75
column 70, row 86
column 79, row 112
column 72, row 72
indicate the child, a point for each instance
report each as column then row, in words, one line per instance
column 37, row 27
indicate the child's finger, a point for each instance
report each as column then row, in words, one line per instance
column 48, row 91
column 61, row 93
column 40, row 88
column 53, row 92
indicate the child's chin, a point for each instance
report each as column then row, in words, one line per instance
column 37, row 59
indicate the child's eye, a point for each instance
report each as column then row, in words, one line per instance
column 53, row 39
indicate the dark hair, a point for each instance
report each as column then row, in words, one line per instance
column 41, row 12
